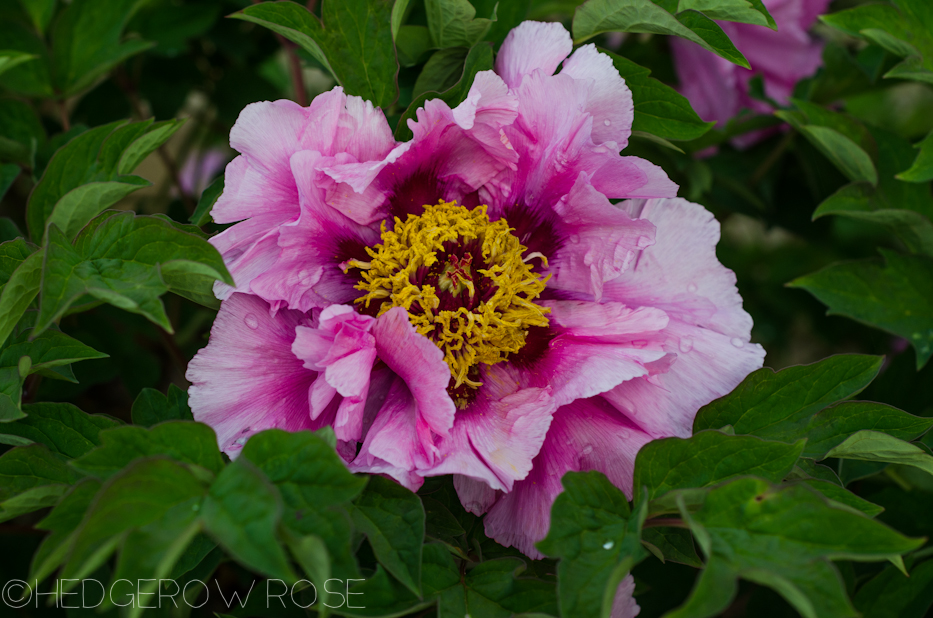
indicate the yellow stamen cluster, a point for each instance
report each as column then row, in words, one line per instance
column 484, row 330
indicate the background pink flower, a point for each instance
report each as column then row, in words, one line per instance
column 469, row 302
column 718, row 89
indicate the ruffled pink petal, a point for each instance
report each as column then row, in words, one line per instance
column 339, row 123
column 532, row 46
column 680, row 272
column 476, row 496
column 267, row 134
column 609, row 101
column 251, row 191
column 488, row 102
column 247, row 378
column 420, row 364
column 498, row 435
column 624, row 604
column 601, row 240
column 708, row 81
column 344, row 350
column 709, row 331
column 585, row 435
column 598, row 346
column 399, row 442
column 249, row 249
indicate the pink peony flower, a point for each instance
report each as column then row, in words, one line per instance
column 469, row 302
column 718, row 89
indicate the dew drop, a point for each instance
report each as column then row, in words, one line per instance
column 686, row 344
column 737, row 342
column 692, row 288
column 607, row 122
column 587, row 449
column 608, row 545
column 251, row 321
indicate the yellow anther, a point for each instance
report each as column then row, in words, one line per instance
column 478, row 332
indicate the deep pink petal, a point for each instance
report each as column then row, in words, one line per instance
column 532, row 46
column 247, row 378
column 420, row 364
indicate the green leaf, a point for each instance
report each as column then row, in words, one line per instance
column 40, row 11
column 491, row 589
column 62, row 427
column 8, row 173
column 11, row 58
column 597, row 539
column 152, row 407
column 891, row 594
column 184, row 441
column 895, row 295
column 442, row 71
column 305, row 468
column 861, row 201
column 659, row 110
column 598, row 16
column 87, row 41
column 27, row 467
column 870, row 445
column 832, row 426
column 783, row 538
column 30, row 79
column 18, row 293
column 922, row 168
column 399, row 10
column 140, row 494
column 311, row 553
column 149, row 552
column 412, row 44
column 774, row 405
column 843, row 152
column 119, row 258
column 62, row 522
column 89, row 174
column 202, row 214
column 453, row 23
column 392, row 518
column 671, row 544
column 354, row 43
column 241, row 512
column 708, row 458
column 478, row 59
column 743, row 11
column 843, row 496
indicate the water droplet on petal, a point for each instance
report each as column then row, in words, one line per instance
column 692, row 288
column 608, row 545
column 737, row 342
column 251, row 321
column 607, row 122
column 686, row 344
column 587, row 449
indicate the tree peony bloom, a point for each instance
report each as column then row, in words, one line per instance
column 718, row 89
column 469, row 302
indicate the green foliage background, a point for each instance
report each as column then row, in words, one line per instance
column 804, row 492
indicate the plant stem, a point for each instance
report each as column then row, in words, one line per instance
column 671, row 522
column 63, row 110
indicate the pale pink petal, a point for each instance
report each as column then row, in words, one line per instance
column 709, row 331
column 267, row 134
column 247, row 378
column 601, row 346
column 532, row 46
column 601, row 240
column 585, row 435
column 249, row 191
column 488, row 102
column 476, row 496
column 610, row 100
column 624, row 604
column 496, row 437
